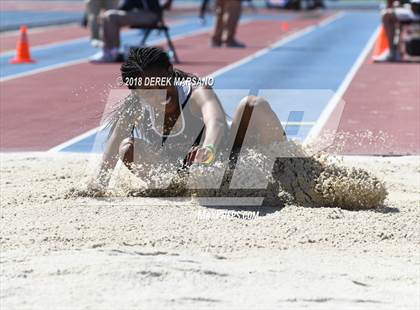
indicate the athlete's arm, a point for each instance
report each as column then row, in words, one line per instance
column 110, row 156
column 213, row 117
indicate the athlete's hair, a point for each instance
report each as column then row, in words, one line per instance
column 143, row 59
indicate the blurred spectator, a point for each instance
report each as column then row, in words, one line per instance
column 396, row 12
column 129, row 13
column 228, row 13
column 93, row 9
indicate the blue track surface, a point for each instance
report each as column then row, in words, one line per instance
column 11, row 20
column 298, row 78
column 313, row 65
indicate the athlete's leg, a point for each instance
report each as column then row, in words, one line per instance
column 255, row 119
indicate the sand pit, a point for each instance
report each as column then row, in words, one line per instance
column 78, row 252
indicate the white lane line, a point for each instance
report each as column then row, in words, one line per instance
column 326, row 113
column 48, row 45
column 76, row 139
column 86, row 59
column 40, row 70
column 247, row 59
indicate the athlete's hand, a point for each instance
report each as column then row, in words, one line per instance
column 198, row 155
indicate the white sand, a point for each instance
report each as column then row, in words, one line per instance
column 87, row 253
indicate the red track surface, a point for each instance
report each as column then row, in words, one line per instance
column 46, row 109
column 383, row 99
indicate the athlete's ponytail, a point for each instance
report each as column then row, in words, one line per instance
column 145, row 58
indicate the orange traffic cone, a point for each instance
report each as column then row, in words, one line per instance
column 22, row 49
column 284, row 26
column 381, row 45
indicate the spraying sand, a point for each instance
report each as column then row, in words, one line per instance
column 295, row 177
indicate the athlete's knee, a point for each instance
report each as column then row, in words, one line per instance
column 255, row 102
